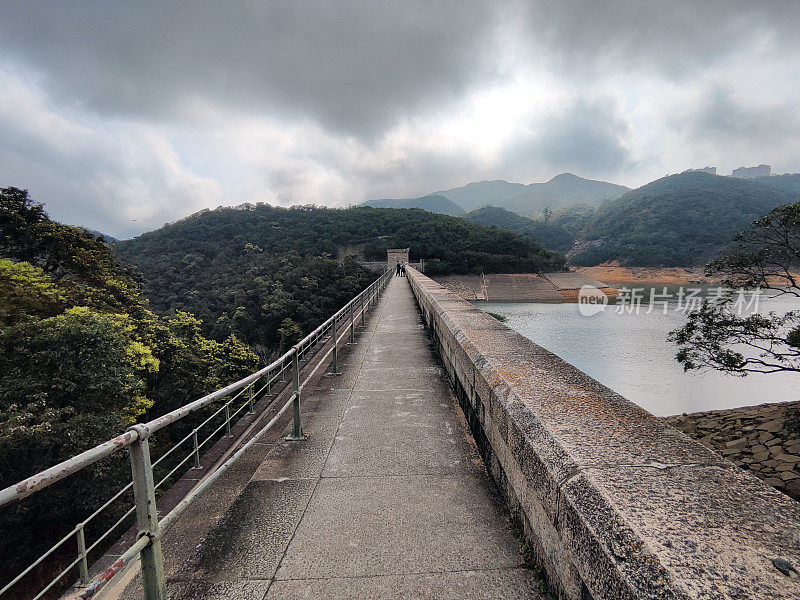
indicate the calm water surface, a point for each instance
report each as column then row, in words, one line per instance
column 630, row 353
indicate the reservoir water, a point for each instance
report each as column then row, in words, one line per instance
column 628, row 351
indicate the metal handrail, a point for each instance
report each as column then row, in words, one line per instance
column 148, row 543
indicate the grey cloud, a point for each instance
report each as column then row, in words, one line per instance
column 118, row 178
column 676, row 39
column 321, row 85
column 586, row 137
column 355, row 66
column 722, row 118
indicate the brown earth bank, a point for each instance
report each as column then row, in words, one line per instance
column 574, row 295
column 763, row 439
column 616, row 273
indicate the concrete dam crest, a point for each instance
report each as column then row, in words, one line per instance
column 447, row 456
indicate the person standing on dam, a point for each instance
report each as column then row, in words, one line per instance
column 397, row 269
column 402, row 269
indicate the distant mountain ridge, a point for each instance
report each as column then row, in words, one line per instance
column 561, row 191
column 481, row 193
column 679, row 220
column 435, row 203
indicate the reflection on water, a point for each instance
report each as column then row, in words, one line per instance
column 629, row 353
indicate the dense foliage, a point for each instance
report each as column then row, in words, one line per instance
column 259, row 271
column 81, row 358
column 789, row 182
column 718, row 336
column 680, row 220
column 556, row 231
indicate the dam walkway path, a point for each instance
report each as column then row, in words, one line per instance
column 386, row 498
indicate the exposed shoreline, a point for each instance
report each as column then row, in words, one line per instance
column 615, row 273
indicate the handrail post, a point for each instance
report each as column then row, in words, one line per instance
column 352, row 330
column 151, row 556
column 250, row 398
column 228, row 418
column 297, row 429
column 196, row 447
column 83, row 566
column 334, row 370
column 361, row 296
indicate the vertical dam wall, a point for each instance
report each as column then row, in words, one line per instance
column 614, row 503
column 523, row 287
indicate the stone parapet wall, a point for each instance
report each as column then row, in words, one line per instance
column 763, row 439
column 613, row 502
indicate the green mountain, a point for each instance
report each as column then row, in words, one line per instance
column 562, row 191
column 481, row 193
column 434, row 203
column 260, row 271
column 790, row 182
column 551, row 234
column 680, row 220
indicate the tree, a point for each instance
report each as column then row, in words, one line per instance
column 82, row 358
column 717, row 337
column 26, row 291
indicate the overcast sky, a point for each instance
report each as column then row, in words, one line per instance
column 123, row 115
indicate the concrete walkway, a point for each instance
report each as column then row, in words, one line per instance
column 387, row 498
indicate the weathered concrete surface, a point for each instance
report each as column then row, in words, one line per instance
column 764, row 439
column 615, row 503
column 387, row 498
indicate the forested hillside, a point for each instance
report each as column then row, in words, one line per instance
column 680, row 220
column 81, row 358
column 552, row 233
column 789, row 182
column 562, row 191
column 481, row 193
column 434, row 203
column 269, row 273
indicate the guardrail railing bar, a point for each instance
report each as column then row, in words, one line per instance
column 170, row 518
column 107, row 504
column 137, row 437
column 35, row 563
column 66, row 570
column 109, row 573
column 127, row 514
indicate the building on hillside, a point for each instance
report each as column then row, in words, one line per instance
column 710, row 170
column 751, row 172
column 396, row 255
